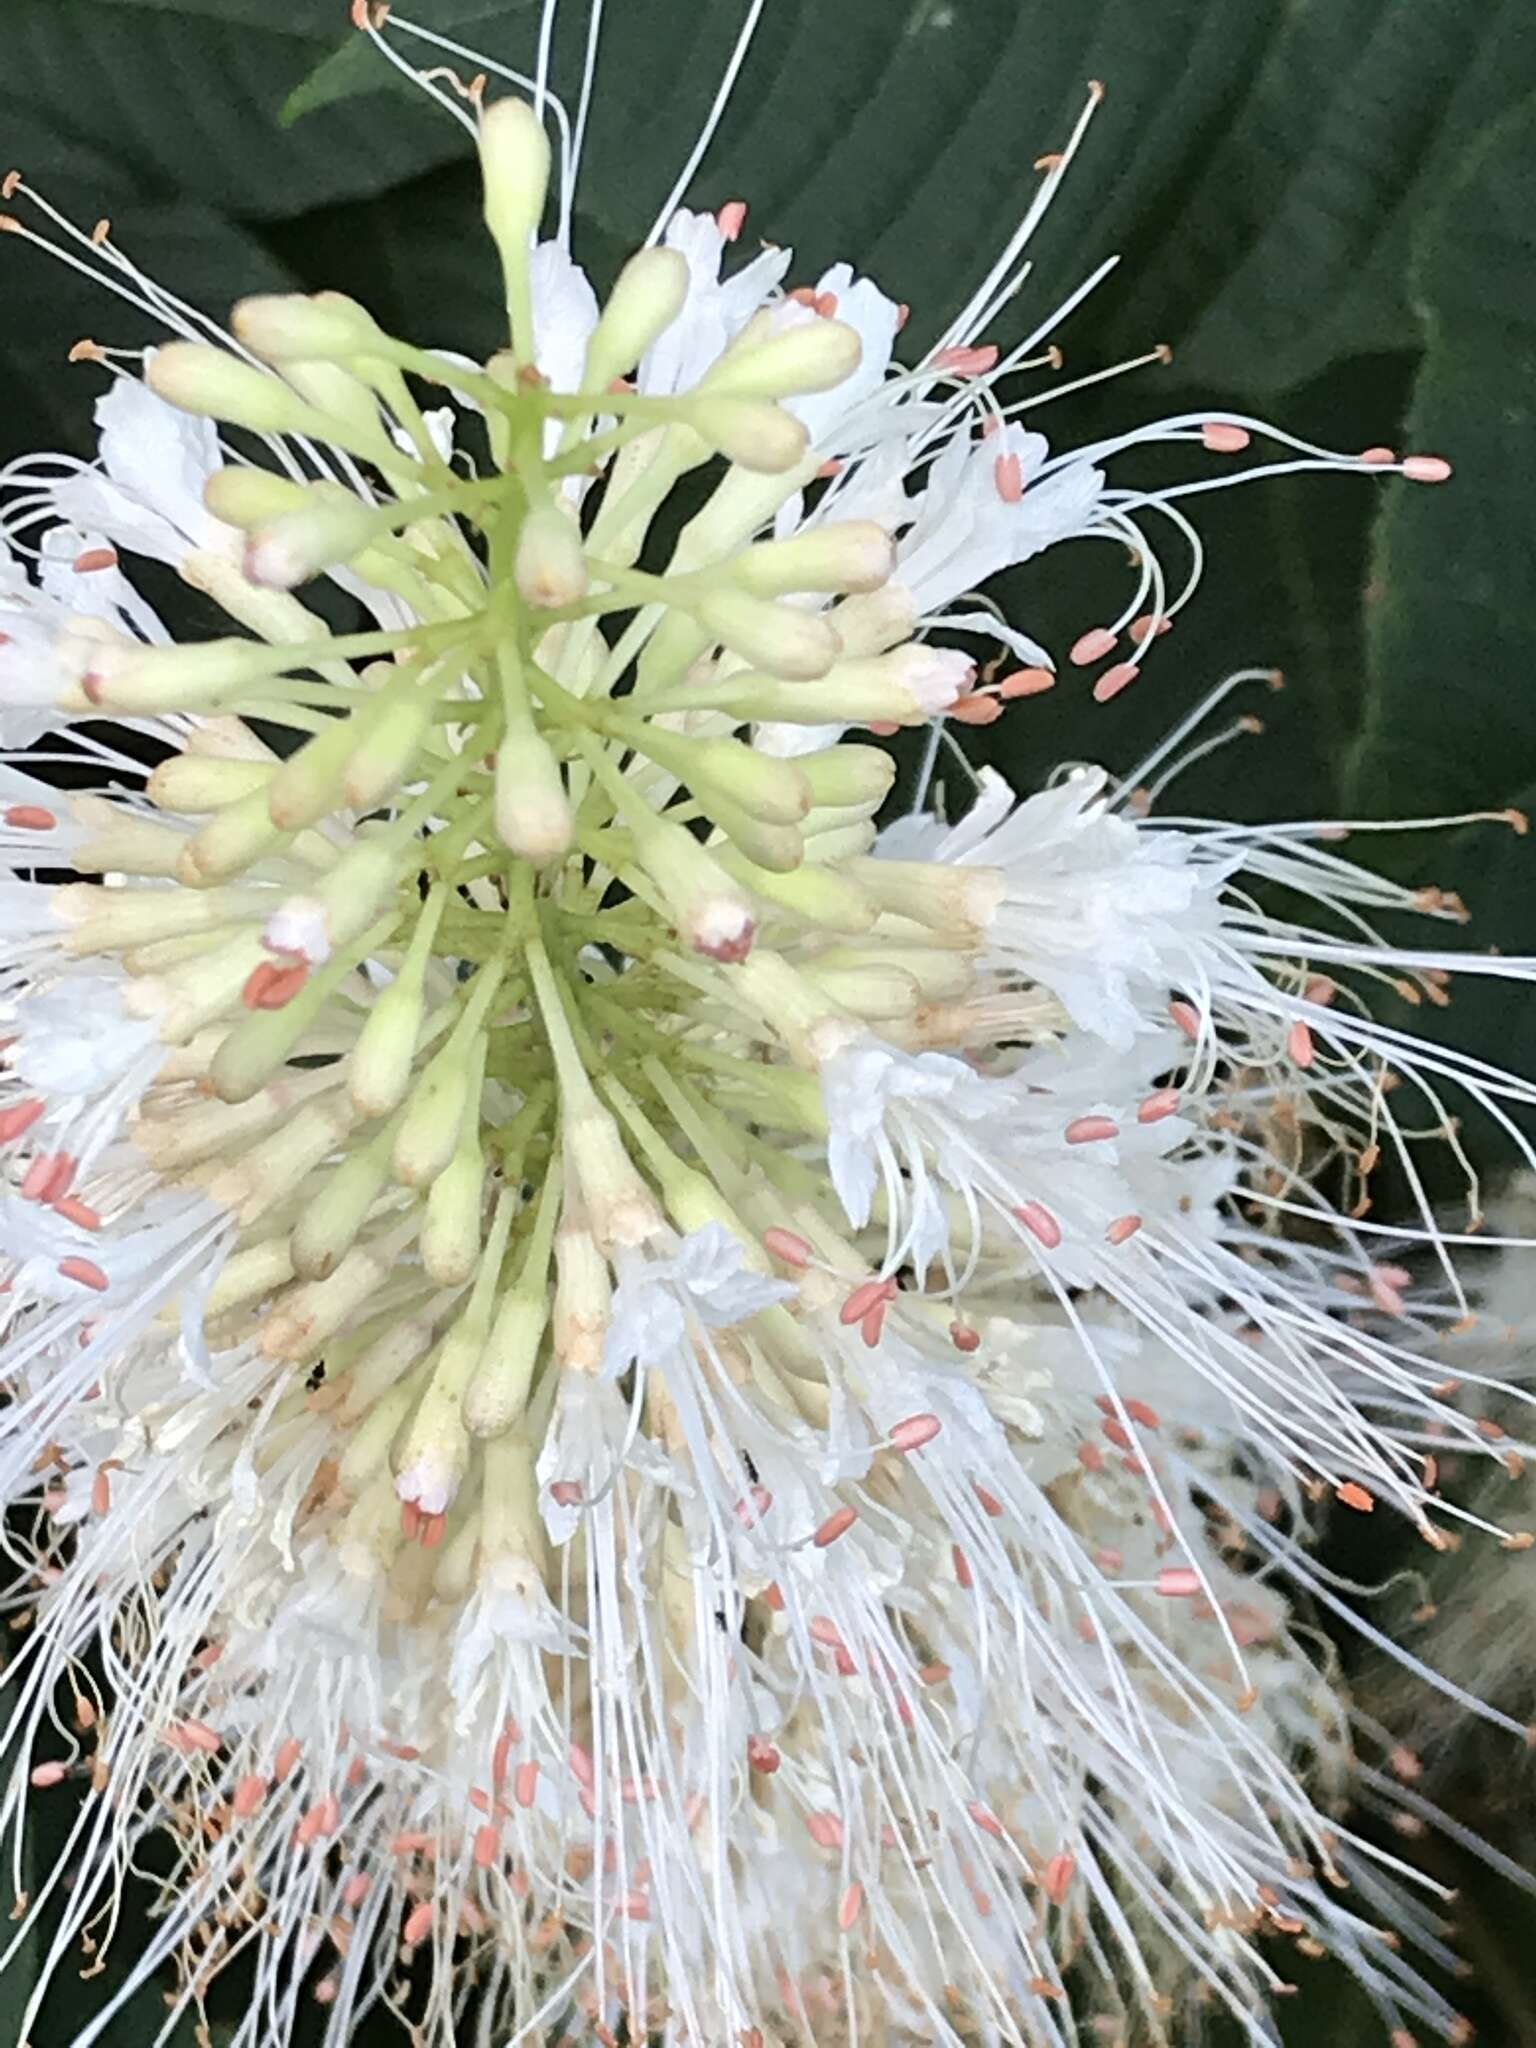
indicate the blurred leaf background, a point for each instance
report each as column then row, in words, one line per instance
column 1326, row 207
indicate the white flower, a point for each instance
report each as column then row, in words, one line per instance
column 148, row 493
column 639, row 1468
column 716, row 309
column 706, row 1280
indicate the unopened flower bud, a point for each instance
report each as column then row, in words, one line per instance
column 356, row 889
column 848, row 555
column 778, row 848
column 192, row 783
column 134, row 678
column 878, row 993
column 435, row 1453
column 233, row 839
column 213, row 384
column 583, row 1294
column 848, row 777
column 428, row 1133
column 767, row 788
column 620, row 1207
column 310, row 782
column 876, row 620
column 514, row 170
column 533, row 812
column 813, row 894
column 813, row 355
column 908, row 686
column 946, row 898
column 280, row 326
column 711, row 913
column 646, row 298
column 811, row 1024
column 450, row 1231
column 379, row 1071
column 246, row 497
column 331, row 526
column 328, row 1227
column 778, row 638
column 388, row 741
column 498, row 1392
column 750, row 431
column 550, row 568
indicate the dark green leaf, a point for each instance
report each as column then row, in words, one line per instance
column 145, row 101
column 196, row 253
column 1450, row 718
column 357, row 67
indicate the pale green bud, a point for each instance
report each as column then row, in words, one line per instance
column 778, row 848
column 618, row 1203
column 191, row 783
column 328, row 1228
column 379, row 1071
column 876, row 992
column 355, row 890
column 779, row 638
column 848, row 555
column 815, row 895
column 270, row 1171
column 429, row 1131
column 583, row 1295
column 947, row 898
column 758, row 435
column 450, row 1233
column 280, row 326
column 514, row 169
column 300, row 1325
column 117, row 840
column 762, row 784
column 250, row 1274
column 116, row 920
column 498, row 1393
column 382, row 1362
column 712, row 915
column 329, row 527
column 646, row 298
column 831, row 845
column 813, row 355
column 366, row 1452
column 533, row 812
column 388, row 743
column 876, row 620
column 133, row 678
column 233, row 839
column 848, row 777
column 349, row 405
column 550, row 568
column 212, row 384
column 245, row 497
column 811, row 1024
column 310, row 782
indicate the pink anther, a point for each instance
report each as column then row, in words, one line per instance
column 838, row 1523
column 1092, row 646
column 1222, row 438
column 1040, row 1223
column 787, row 1245
column 1090, row 1130
column 1109, row 685
column 1026, row 682
column 915, row 1431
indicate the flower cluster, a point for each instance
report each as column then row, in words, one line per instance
column 630, row 1396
